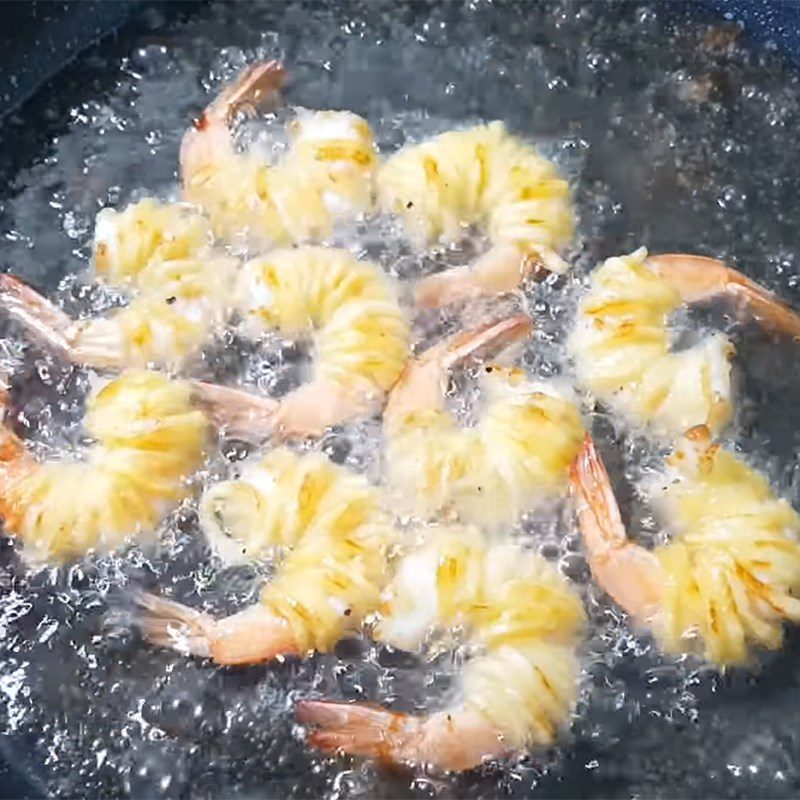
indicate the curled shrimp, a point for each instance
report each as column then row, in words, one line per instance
column 149, row 432
column 518, row 614
column 126, row 242
column 730, row 575
column 621, row 341
column 148, row 438
column 330, row 524
column 361, row 335
column 483, row 176
column 325, row 176
column 180, row 292
column 177, row 307
column 348, row 306
column 489, row 474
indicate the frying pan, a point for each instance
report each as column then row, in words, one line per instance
column 55, row 56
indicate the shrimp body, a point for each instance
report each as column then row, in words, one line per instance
column 519, row 451
column 622, row 352
column 523, row 624
column 148, row 439
column 180, row 292
column 126, row 242
column 178, row 306
column 325, row 176
column 361, row 334
column 732, row 570
column 334, row 536
column 340, row 145
column 481, row 176
column 729, row 577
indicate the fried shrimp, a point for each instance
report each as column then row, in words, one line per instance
column 149, row 433
column 179, row 292
column 522, row 623
column 621, row 342
column 486, row 177
column 348, row 307
column 360, row 333
column 329, row 523
column 519, row 451
column 174, row 311
column 730, row 576
column 147, row 439
column 126, row 242
column 326, row 175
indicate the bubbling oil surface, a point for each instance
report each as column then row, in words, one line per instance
column 673, row 135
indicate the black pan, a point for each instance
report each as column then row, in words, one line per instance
column 699, row 161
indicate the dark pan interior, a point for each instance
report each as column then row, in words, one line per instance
column 740, row 736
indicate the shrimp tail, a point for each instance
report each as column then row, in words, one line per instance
column 448, row 741
column 502, row 269
column 210, row 136
column 168, row 624
column 486, row 341
column 444, row 288
column 237, row 413
column 47, row 324
column 421, row 384
column 597, row 505
column 253, row 88
column 699, row 278
column 251, row 636
column 631, row 574
column 354, row 728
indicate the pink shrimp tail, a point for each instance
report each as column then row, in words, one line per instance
column 250, row 636
column 168, row 624
column 444, row 288
column 502, row 269
column 209, row 138
column 699, row 278
column 48, row 325
column 421, row 384
column 354, row 728
column 487, row 341
column 252, row 88
column 591, row 486
column 628, row 572
column 237, row 413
